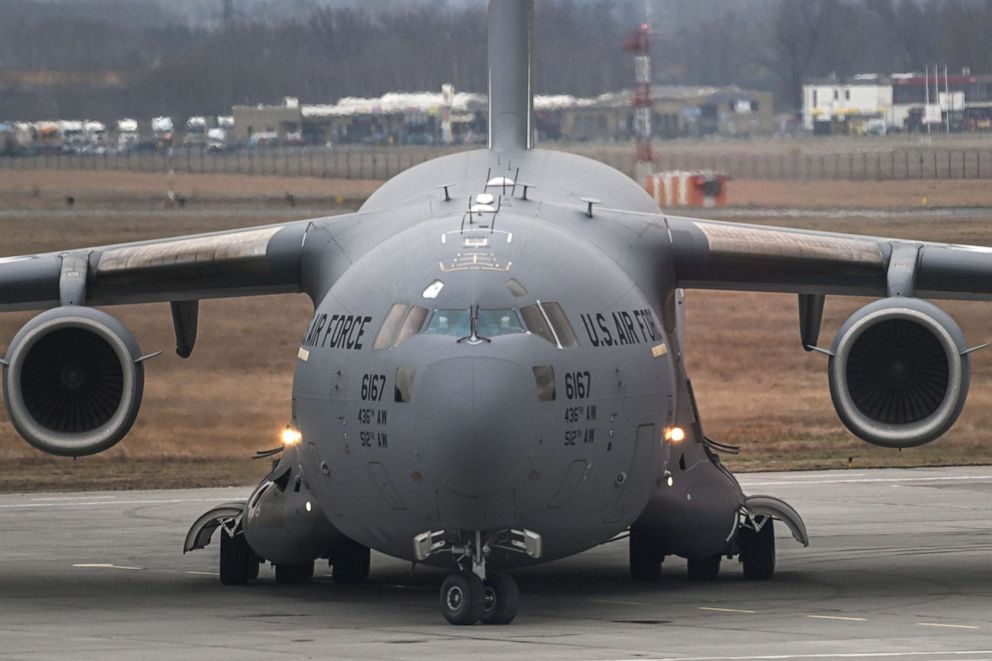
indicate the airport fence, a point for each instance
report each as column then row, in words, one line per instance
column 899, row 164
column 339, row 163
column 377, row 163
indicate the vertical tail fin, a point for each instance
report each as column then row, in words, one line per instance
column 511, row 100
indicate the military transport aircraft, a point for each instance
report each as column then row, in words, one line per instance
column 493, row 375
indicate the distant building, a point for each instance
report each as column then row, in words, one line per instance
column 280, row 121
column 677, row 111
column 396, row 118
column 874, row 103
column 834, row 107
column 417, row 118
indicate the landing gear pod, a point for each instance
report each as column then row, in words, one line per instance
column 73, row 381
column 899, row 372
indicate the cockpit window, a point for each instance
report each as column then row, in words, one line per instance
column 450, row 322
column 516, row 288
column 536, row 323
column 498, row 322
column 560, row 325
column 489, row 323
column 412, row 324
column 549, row 321
column 387, row 332
column 402, row 322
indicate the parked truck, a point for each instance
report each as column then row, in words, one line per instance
column 127, row 134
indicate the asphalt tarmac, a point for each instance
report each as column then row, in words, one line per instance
column 900, row 566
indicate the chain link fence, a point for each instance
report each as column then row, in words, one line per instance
column 381, row 163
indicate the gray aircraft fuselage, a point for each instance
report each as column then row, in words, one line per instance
column 442, row 431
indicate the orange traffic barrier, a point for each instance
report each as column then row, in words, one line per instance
column 681, row 188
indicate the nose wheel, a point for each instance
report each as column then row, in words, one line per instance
column 462, row 598
column 501, row 598
column 467, row 599
column 473, row 594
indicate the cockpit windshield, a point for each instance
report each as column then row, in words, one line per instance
column 489, row 323
column 499, row 322
column 450, row 322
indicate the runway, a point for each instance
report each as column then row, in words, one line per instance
column 900, row 566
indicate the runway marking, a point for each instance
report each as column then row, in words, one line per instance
column 93, row 503
column 67, row 498
column 838, row 617
column 618, row 602
column 105, row 565
column 825, row 655
column 201, row 573
column 819, row 477
column 870, row 480
column 725, row 610
column 946, row 626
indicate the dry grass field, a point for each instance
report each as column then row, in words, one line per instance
column 202, row 418
column 49, row 189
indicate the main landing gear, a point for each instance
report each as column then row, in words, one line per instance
column 475, row 594
column 756, row 540
column 645, row 558
column 349, row 562
column 238, row 564
column 753, row 543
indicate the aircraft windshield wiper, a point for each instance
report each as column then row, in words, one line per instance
column 474, row 338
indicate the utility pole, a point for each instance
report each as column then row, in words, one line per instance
column 947, row 99
column 638, row 43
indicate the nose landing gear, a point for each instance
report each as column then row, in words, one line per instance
column 501, row 597
column 462, row 598
column 474, row 594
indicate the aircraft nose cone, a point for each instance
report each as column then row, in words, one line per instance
column 476, row 435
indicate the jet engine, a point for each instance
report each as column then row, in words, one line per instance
column 899, row 372
column 73, row 381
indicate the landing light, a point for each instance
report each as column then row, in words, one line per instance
column 675, row 434
column 291, row 437
column 309, row 506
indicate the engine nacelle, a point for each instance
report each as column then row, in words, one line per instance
column 899, row 375
column 73, row 381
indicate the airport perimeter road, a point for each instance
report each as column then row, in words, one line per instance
column 900, row 566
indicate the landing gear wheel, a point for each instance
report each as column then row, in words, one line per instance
column 645, row 558
column 350, row 562
column 294, row 574
column 238, row 563
column 703, row 569
column 758, row 551
column 462, row 599
column 501, row 598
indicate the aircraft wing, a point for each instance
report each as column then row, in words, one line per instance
column 731, row 256
column 259, row 260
